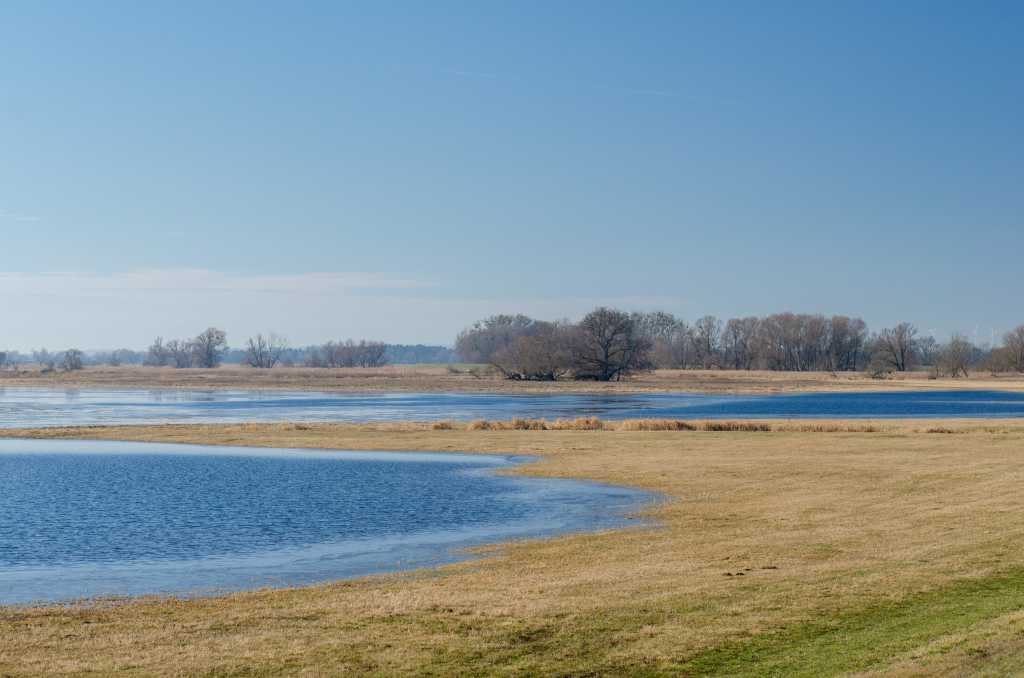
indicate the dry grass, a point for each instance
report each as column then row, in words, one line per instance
column 768, row 545
column 428, row 379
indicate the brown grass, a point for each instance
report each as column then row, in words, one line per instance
column 420, row 378
column 757, row 534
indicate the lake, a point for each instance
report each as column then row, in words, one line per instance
column 85, row 519
column 30, row 407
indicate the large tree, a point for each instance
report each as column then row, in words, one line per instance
column 265, row 352
column 1014, row 345
column 957, row 356
column 896, row 347
column 609, row 345
column 208, row 348
column 481, row 342
column 543, row 355
column 73, row 360
column 707, row 334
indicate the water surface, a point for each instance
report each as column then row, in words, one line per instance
column 29, row 407
column 96, row 518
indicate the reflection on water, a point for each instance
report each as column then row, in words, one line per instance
column 93, row 518
column 26, row 407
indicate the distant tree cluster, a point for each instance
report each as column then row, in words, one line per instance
column 209, row 349
column 605, row 345
column 347, row 354
column 608, row 344
column 116, row 358
column 412, row 354
column 265, row 352
column 206, row 350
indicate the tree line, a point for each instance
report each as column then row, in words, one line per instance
column 261, row 351
column 608, row 344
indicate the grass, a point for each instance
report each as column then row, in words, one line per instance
column 869, row 637
column 806, row 549
column 437, row 378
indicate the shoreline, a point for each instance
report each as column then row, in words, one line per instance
column 433, row 379
column 415, row 552
column 758, row 523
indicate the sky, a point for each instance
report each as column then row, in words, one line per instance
column 398, row 170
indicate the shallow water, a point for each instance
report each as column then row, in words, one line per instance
column 29, row 407
column 83, row 519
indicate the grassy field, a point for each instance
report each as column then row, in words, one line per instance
column 436, row 378
column 817, row 549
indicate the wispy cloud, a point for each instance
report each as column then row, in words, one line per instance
column 16, row 217
column 130, row 308
column 71, row 283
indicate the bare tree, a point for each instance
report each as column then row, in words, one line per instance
column 708, row 335
column 371, row 354
column 671, row 338
column 72, row 360
column 847, row 338
column 157, row 355
column 608, row 345
column 957, row 355
column 46, row 360
column 208, row 348
column 348, row 354
column 265, row 352
column 479, row 343
column 928, row 351
column 178, row 353
column 544, row 355
column 1013, row 343
column 896, row 347
column 738, row 342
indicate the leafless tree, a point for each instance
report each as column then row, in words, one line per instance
column 543, row 355
column 608, row 345
column 72, row 360
column 178, row 353
column 957, row 355
column 371, row 354
column 348, row 354
column 928, row 351
column 1013, row 342
column 708, row 335
column 896, row 347
column 671, row 338
column 479, row 343
column 46, row 360
column 265, row 351
column 847, row 338
column 739, row 342
column 208, row 348
column 157, row 355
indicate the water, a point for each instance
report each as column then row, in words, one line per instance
column 29, row 407
column 93, row 518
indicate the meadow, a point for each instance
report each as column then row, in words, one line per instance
column 779, row 548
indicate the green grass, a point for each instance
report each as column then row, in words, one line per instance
column 867, row 638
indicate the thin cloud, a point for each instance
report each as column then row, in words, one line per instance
column 72, row 283
column 21, row 218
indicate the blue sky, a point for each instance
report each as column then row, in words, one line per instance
column 397, row 170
